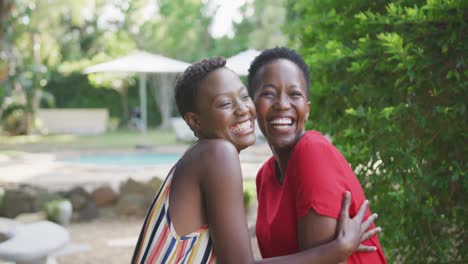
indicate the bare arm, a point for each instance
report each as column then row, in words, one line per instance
column 222, row 194
column 222, row 190
column 315, row 229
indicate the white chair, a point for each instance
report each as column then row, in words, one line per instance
column 182, row 130
column 31, row 243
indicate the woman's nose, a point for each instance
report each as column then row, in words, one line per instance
column 241, row 107
column 282, row 102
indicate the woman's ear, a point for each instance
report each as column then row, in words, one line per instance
column 308, row 110
column 192, row 121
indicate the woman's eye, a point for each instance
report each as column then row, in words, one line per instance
column 245, row 97
column 267, row 94
column 296, row 94
column 225, row 104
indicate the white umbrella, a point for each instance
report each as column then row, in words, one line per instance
column 142, row 62
column 240, row 63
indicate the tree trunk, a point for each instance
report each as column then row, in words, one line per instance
column 5, row 9
column 28, row 122
column 123, row 92
column 163, row 92
column 33, row 95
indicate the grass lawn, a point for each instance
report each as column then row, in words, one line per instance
column 112, row 140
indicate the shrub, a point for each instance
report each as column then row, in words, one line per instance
column 389, row 83
column 249, row 194
column 13, row 119
column 59, row 211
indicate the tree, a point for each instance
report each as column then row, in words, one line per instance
column 5, row 10
column 28, row 46
column 389, row 83
column 268, row 19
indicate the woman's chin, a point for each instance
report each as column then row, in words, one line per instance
column 241, row 145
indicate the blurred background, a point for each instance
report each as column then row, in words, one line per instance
column 389, row 86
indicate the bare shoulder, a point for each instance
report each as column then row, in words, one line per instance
column 215, row 150
column 215, row 158
column 210, row 158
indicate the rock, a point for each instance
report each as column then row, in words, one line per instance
column 84, row 208
column 107, row 213
column 18, row 200
column 150, row 188
column 42, row 197
column 78, row 196
column 155, row 183
column 132, row 186
column 88, row 212
column 136, row 197
column 132, row 205
column 104, row 196
column 25, row 199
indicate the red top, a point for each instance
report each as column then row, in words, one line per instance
column 316, row 177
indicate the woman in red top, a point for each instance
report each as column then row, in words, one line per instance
column 300, row 188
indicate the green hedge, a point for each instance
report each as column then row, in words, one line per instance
column 389, row 83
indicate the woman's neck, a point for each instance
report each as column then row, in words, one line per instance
column 281, row 158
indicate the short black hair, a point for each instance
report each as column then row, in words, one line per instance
column 187, row 84
column 273, row 54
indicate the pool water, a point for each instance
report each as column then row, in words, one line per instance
column 126, row 159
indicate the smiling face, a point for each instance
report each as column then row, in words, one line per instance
column 224, row 110
column 281, row 101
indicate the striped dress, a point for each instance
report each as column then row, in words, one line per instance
column 159, row 243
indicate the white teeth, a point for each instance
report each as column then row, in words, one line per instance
column 242, row 126
column 281, row 121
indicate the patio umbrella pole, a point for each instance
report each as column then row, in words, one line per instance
column 143, row 100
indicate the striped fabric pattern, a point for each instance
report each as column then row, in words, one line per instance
column 159, row 243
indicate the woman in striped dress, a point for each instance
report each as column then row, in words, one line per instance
column 162, row 244
column 198, row 214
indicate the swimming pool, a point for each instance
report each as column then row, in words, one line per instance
column 126, row 159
